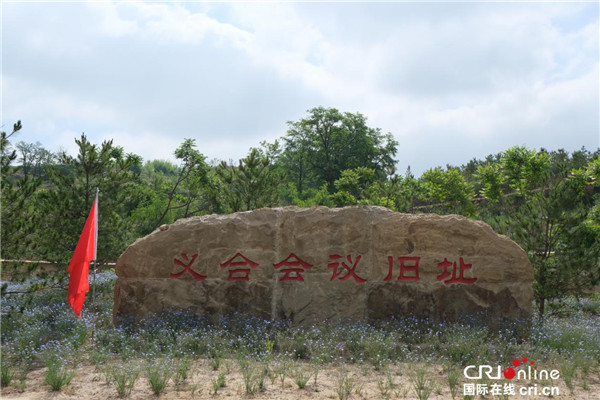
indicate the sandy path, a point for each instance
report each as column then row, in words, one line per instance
column 89, row 383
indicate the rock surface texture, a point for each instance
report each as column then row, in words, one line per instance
column 321, row 264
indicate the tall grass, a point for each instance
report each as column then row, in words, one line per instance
column 421, row 382
column 123, row 377
column 7, row 374
column 453, row 375
column 181, row 370
column 254, row 375
column 218, row 382
column 302, row 374
column 345, row 384
column 58, row 373
column 159, row 373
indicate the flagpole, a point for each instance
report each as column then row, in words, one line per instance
column 79, row 266
column 94, row 274
column 95, row 254
column 94, row 285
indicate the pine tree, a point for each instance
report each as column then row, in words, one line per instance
column 250, row 185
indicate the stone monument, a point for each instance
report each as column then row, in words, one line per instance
column 309, row 265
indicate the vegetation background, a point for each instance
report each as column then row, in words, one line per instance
column 546, row 201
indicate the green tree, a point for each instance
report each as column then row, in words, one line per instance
column 490, row 180
column 193, row 188
column 318, row 148
column 66, row 203
column 150, row 196
column 525, row 170
column 401, row 193
column 543, row 206
column 448, row 192
column 34, row 158
column 252, row 184
column 17, row 211
column 357, row 186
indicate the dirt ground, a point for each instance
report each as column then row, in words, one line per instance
column 89, row 383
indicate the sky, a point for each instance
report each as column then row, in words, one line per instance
column 451, row 81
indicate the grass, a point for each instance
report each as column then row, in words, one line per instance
column 218, row 382
column 302, row 374
column 453, row 375
column 39, row 326
column 7, row 374
column 58, row 373
column 254, row 375
column 316, row 367
column 123, row 377
column 345, row 384
column 215, row 357
column 567, row 371
column 385, row 383
column 421, row 383
column 181, row 370
column 159, row 373
column 280, row 369
column 385, row 389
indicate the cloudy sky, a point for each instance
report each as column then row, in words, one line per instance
column 451, row 81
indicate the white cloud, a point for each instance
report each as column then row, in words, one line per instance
column 450, row 81
column 110, row 22
column 177, row 24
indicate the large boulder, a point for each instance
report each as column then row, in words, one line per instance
column 321, row 264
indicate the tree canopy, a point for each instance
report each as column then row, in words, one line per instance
column 327, row 142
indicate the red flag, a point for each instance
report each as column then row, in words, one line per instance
column 79, row 266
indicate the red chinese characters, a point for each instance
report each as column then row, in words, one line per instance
column 344, row 268
column 294, row 273
column 444, row 265
column 408, row 272
column 349, row 268
column 239, row 274
column 187, row 267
